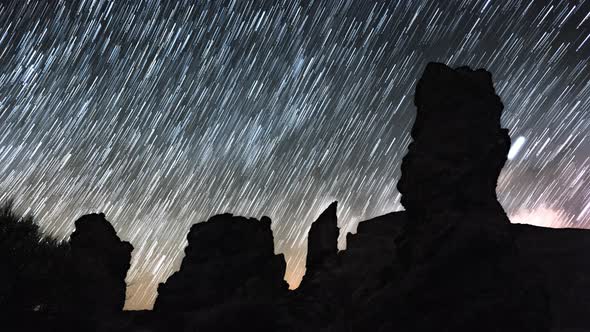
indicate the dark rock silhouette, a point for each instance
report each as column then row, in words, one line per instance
column 450, row 172
column 60, row 286
column 370, row 258
column 458, row 148
column 454, row 262
column 229, row 266
column 322, row 239
column 457, row 241
column 329, row 297
column 100, row 259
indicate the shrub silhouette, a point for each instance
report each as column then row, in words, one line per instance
column 33, row 266
column 50, row 285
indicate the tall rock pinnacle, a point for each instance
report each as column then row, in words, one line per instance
column 458, row 241
column 322, row 240
column 458, row 148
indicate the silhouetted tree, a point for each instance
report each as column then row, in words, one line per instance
column 33, row 265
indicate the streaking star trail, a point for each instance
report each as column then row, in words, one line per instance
column 163, row 113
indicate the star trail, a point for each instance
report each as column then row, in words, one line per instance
column 163, row 113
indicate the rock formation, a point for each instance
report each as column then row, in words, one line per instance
column 458, row 148
column 449, row 261
column 329, row 294
column 370, row 259
column 100, row 263
column 228, row 259
column 322, row 239
column 452, row 261
column 457, row 242
column 450, row 172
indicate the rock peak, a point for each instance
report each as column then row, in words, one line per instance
column 322, row 240
column 459, row 146
column 330, row 210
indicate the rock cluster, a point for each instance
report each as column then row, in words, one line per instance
column 228, row 259
column 450, row 259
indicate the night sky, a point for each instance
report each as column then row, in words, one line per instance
column 163, row 113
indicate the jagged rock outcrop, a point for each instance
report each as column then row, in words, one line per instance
column 370, row 260
column 322, row 240
column 228, row 259
column 100, row 263
column 329, row 294
column 450, row 172
column 316, row 291
column 459, row 146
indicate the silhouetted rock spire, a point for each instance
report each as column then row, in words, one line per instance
column 450, row 172
column 100, row 262
column 459, row 147
column 322, row 240
column 457, row 242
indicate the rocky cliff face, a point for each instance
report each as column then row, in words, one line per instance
column 100, row 263
column 227, row 259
